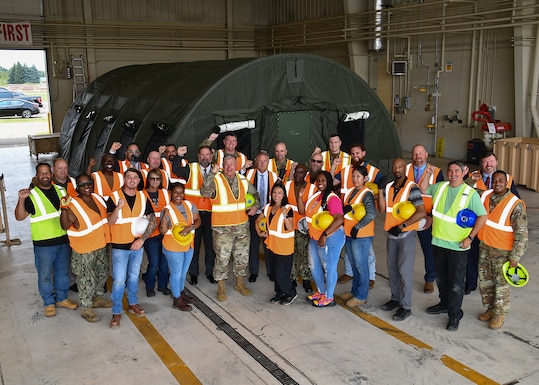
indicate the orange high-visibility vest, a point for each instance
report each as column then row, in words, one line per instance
column 163, row 199
column 192, row 188
column 310, row 189
column 346, row 177
column 313, row 207
column 177, row 217
column 279, row 240
column 121, row 230
column 410, row 174
column 241, row 159
column 326, row 157
column 125, row 165
column 228, row 210
column 350, row 222
column 272, row 166
column 402, row 196
column 93, row 232
column 102, row 187
column 479, row 184
column 167, row 167
column 498, row 231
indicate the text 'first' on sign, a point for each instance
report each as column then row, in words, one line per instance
column 15, row 34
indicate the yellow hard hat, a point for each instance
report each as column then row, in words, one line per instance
column 262, row 226
column 403, row 210
column 515, row 276
column 183, row 240
column 322, row 220
column 373, row 187
column 249, row 200
column 358, row 211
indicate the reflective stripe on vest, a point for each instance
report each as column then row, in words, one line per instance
column 241, row 159
column 313, row 207
column 350, row 222
column 228, row 210
column 91, row 234
column 498, row 231
column 403, row 194
column 445, row 226
column 45, row 222
column 310, row 189
column 326, row 157
column 410, row 174
column 102, row 185
column 279, row 240
column 168, row 241
column 121, row 230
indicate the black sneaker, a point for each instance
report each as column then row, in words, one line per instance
column 194, row 280
column 276, row 299
column 288, row 300
column 165, row 291
column 437, row 309
column 390, row 305
column 211, row 279
column 253, row 277
column 453, row 324
column 307, row 286
column 150, row 293
column 402, row 314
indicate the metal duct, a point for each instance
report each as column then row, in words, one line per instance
column 378, row 19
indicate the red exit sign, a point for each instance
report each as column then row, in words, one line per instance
column 15, row 33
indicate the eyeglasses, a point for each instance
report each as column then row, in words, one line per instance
column 316, row 161
column 133, row 151
column 152, row 178
column 86, row 184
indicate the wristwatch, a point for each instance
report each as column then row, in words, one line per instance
column 471, row 238
column 325, row 234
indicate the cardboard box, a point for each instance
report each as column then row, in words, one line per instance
column 519, row 157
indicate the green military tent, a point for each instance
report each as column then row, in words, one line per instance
column 300, row 99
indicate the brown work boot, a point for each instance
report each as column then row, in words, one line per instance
column 115, row 321
column 371, row 283
column 487, row 316
column 186, row 297
column 355, row 302
column 67, row 304
column 346, row 296
column 241, row 287
column 429, row 287
column 221, row 291
column 344, row 278
column 497, row 321
column 180, row 304
column 137, row 310
column 89, row 315
column 50, row 311
column 101, row 302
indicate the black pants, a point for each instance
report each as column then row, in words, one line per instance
column 254, row 251
column 204, row 231
column 472, row 270
column 450, row 267
column 281, row 273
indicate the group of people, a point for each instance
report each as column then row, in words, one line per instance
column 305, row 216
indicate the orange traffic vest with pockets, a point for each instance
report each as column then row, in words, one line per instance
column 272, row 166
column 346, row 177
column 121, row 230
column 227, row 210
column 279, row 240
column 192, row 188
column 350, row 222
column 177, row 217
column 326, row 157
column 401, row 196
column 93, row 232
column 102, row 186
column 498, row 231
column 163, row 199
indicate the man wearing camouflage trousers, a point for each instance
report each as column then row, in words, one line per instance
column 230, row 224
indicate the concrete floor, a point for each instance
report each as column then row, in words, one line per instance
column 265, row 344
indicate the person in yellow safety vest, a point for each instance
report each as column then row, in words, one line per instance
column 416, row 171
column 263, row 180
column 85, row 219
column 126, row 208
column 503, row 238
column 334, row 159
column 279, row 239
column 450, row 241
column 179, row 211
column 481, row 180
column 231, row 142
column 324, row 245
column 51, row 244
column 401, row 241
column 359, row 236
column 230, row 224
column 281, row 165
column 194, row 174
column 300, row 263
column 358, row 152
column 157, row 262
column 60, row 176
column 106, row 180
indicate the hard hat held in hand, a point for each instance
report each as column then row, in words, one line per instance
column 262, row 225
column 322, row 220
column 515, row 276
column 373, row 187
column 139, row 226
column 184, row 240
column 249, row 200
column 466, row 218
column 403, row 210
column 358, row 211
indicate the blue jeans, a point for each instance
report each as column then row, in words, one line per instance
column 358, row 254
column 323, row 262
column 178, row 263
column 52, row 265
column 372, row 265
column 157, row 263
column 125, row 272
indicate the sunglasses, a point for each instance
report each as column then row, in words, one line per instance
column 152, row 178
column 86, row 184
column 316, row 161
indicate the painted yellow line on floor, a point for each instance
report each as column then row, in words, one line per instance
column 160, row 346
column 451, row 363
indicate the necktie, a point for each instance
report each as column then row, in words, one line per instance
column 262, row 191
column 487, row 182
column 205, row 172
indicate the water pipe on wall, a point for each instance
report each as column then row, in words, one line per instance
column 534, row 84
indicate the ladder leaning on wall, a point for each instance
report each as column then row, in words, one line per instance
column 79, row 76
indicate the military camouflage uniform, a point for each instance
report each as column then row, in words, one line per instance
column 230, row 240
column 92, row 270
column 492, row 284
column 300, row 263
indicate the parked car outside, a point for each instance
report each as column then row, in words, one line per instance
column 6, row 94
column 18, row 107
